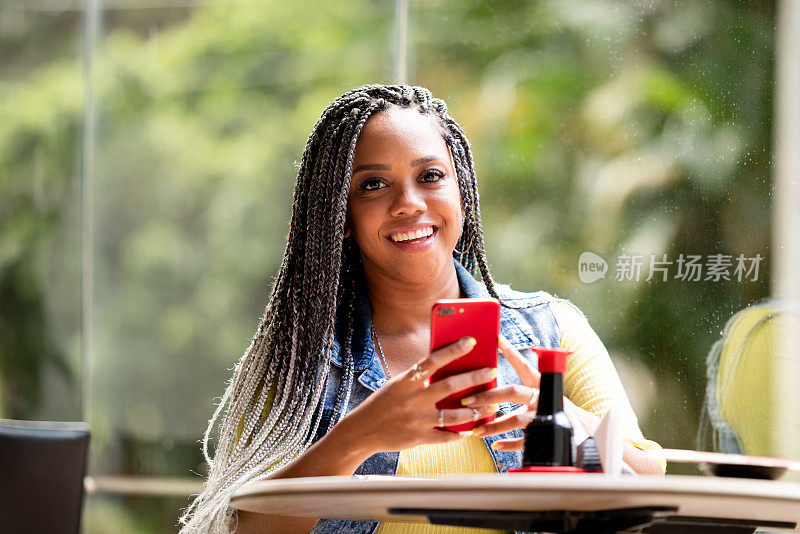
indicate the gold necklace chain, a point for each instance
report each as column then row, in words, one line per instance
column 380, row 352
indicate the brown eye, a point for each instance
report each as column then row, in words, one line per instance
column 370, row 184
column 431, row 176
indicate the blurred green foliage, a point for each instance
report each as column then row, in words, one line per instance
column 616, row 127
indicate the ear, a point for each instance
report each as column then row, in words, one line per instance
column 346, row 230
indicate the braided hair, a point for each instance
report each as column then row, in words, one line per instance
column 272, row 401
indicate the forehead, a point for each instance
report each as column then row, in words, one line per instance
column 397, row 130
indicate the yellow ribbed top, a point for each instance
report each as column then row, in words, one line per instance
column 468, row 455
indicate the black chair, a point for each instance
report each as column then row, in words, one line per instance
column 42, row 465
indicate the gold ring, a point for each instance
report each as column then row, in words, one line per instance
column 476, row 414
column 417, row 373
column 441, row 418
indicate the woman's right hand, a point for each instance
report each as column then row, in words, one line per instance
column 402, row 414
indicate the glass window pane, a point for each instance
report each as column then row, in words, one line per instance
column 624, row 154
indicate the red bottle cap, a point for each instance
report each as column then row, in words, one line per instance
column 552, row 360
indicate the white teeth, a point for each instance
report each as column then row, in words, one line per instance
column 422, row 232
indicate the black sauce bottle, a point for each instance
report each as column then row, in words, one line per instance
column 548, row 437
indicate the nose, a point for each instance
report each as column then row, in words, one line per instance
column 407, row 201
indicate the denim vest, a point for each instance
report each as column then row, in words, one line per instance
column 532, row 324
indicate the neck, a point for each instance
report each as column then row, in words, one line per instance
column 399, row 306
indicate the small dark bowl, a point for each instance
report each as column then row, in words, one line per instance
column 764, row 472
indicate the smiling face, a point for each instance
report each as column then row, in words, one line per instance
column 404, row 205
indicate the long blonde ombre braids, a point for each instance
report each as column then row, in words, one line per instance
column 285, row 368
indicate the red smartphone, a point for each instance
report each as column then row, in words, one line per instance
column 452, row 319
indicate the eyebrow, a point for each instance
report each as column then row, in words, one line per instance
column 372, row 167
column 425, row 159
column 384, row 167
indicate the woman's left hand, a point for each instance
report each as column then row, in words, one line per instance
column 527, row 395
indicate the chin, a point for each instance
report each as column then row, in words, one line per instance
column 419, row 271
column 411, row 269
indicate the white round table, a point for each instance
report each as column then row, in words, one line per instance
column 768, row 504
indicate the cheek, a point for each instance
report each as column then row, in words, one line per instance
column 451, row 203
column 361, row 221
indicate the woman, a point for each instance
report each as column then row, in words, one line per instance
column 385, row 222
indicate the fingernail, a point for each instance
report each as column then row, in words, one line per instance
column 468, row 342
column 494, row 446
column 491, row 373
column 502, row 339
column 466, row 401
column 494, row 408
column 467, row 433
